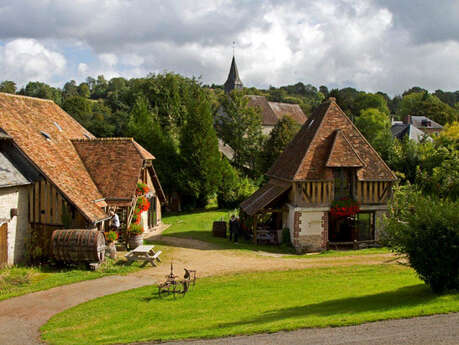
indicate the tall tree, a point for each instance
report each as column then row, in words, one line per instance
column 240, row 127
column 201, row 164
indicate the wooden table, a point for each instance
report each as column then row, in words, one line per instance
column 144, row 253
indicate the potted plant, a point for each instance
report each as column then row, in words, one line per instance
column 135, row 232
column 111, row 238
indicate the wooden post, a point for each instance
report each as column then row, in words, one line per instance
column 255, row 220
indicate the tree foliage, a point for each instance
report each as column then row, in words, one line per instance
column 240, row 127
column 425, row 229
column 280, row 136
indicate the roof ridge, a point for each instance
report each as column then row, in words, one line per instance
column 102, row 139
column 313, row 137
column 27, row 97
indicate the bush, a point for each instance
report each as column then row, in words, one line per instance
column 233, row 188
column 426, row 230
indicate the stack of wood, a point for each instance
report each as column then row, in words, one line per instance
column 219, row 229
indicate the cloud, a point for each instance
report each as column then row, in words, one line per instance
column 27, row 59
column 368, row 44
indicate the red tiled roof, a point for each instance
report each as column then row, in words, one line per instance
column 28, row 121
column 305, row 158
column 342, row 154
column 263, row 196
column 272, row 112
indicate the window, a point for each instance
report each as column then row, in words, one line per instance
column 342, row 183
column 46, row 135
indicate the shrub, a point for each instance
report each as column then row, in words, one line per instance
column 426, row 230
column 286, row 236
column 233, row 188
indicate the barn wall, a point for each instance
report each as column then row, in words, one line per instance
column 15, row 197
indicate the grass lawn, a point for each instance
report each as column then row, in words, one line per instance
column 251, row 303
column 17, row 281
column 198, row 225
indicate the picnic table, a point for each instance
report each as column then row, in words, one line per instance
column 144, row 253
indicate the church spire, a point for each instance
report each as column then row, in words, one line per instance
column 233, row 81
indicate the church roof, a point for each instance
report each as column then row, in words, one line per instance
column 272, row 112
column 233, row 81
column 329, row 139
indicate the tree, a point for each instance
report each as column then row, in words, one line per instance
column 8, row 86
column 144, row 126
column 375, row 126
column 70, row 89
column 240, row 127
column 200, row 173
column 369, row 100
column 281, row 135
column 423, row 104
column 83, row 90
column 80, row 108
column 42, row 90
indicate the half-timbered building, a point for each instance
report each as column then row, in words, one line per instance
column 77, row 176
column 328, row 160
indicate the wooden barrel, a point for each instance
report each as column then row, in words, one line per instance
column 219, row 229
column 78, row 245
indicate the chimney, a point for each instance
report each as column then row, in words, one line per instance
column 407, row 119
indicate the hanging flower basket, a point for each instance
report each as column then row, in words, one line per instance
column 142, row 189
column 344, row 207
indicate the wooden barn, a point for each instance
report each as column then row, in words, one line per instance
column 76, row 177
column 329, row 187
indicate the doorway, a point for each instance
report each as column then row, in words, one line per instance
column 360, row 227
column 3, row 244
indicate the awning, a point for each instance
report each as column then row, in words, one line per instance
column 262, row 197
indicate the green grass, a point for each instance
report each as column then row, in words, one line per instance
column 198, row 226
column 16, row 281
column 252, row 303
column 340, row 253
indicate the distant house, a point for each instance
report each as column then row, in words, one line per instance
column 402, row 130
column 424, row 124
column 329, row 159
column 77, row 177
column 272, row 112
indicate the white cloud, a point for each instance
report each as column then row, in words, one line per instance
column 109, row 60
column 22, row 60
column 368, row 44
column 83, row 68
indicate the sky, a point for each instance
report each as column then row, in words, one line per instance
column 372, row 45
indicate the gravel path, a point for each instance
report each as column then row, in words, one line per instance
column 21, row 317
column 428, row 330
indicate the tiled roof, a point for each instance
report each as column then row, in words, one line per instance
column 342, row 154
column 29, row 121
column 272, row 112
column 9, row 175
column 114, row 164
column 305, row 158
column 263, row 196
column 424, row 122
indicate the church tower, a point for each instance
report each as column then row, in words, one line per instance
column 233, row 81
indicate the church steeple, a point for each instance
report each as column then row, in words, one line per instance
column 233, row 81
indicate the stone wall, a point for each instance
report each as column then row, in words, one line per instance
column 310, row 230
column 15, row 197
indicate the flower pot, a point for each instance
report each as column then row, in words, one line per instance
column 135, row 241
column 112, row 250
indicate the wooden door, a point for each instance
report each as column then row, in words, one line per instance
column 3, row 244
